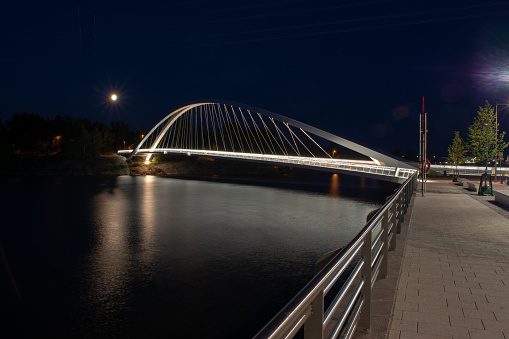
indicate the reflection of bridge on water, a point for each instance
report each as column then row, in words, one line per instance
column 233, row 131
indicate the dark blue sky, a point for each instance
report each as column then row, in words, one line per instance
column 356, row 69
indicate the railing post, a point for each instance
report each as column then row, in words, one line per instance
column 394, row 222
column 400, row 215
column 385, row 240
column 365, row 315
column 313, row 327
column 407, row 197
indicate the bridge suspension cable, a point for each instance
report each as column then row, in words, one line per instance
column 226, row 128
column 235, row 131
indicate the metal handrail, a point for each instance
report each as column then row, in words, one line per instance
column 306, row 309
column 473, row 170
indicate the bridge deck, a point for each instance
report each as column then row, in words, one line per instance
column 356, row 167
column 454, row 279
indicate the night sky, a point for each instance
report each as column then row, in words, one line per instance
column 357, row 69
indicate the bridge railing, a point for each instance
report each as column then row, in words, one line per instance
column 338, row 299
column 469, row 170
column 350, row 165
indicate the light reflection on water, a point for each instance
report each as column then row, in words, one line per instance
column 334, row 186
column 153, row 255
column 109, row 270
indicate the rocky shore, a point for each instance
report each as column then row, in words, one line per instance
column 201, row 166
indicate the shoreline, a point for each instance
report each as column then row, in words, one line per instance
column 113, row 165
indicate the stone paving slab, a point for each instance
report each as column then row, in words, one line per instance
column 454, row 279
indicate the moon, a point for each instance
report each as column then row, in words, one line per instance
column 114, row 97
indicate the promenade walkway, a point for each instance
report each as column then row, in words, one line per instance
column 454, row 278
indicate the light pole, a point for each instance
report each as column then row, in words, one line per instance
column 423, row 133
column 496, row 137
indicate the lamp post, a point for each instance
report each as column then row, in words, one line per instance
column 423, row 133
column 496, row 137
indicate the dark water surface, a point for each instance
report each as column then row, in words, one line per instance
column 130, row 257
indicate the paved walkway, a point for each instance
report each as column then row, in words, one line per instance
column 454, row 279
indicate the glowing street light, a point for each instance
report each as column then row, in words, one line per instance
column 114, row 97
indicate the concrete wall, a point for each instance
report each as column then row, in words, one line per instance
column 502, row 197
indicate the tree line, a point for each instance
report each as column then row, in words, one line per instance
column 485, row 142
column 28, row 134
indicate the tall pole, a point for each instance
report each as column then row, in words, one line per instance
column 425, row 145
column 422, row 147
column 496, row 138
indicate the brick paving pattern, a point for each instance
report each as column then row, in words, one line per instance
column 454, row 279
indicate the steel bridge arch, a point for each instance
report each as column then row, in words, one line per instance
column 377, row 157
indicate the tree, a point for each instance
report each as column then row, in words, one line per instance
column 85, row 142
column 107, row 137
column 6, row 150
column 123, row 135
column 28, row 133
column 484, row 140
column 457, row 151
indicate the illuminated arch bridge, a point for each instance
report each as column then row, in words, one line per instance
column 233, row 131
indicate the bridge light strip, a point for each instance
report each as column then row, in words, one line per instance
column 349, row 165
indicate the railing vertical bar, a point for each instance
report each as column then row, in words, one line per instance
column 397, row 220
column 313, row 328
column 392, row 245
column 385, row 240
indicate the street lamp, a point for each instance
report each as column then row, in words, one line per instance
column 496, row 136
